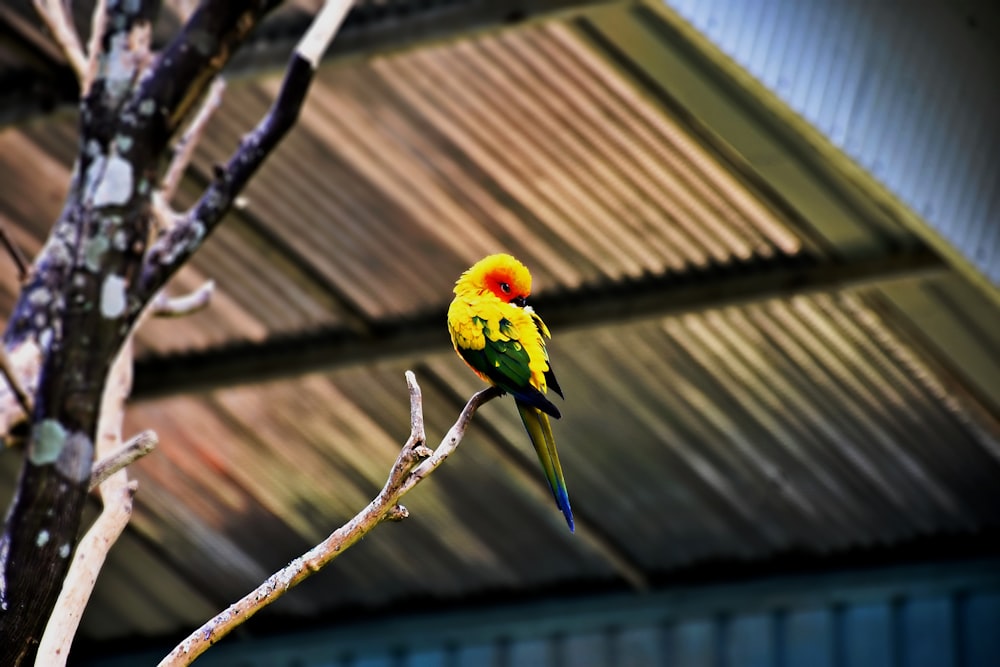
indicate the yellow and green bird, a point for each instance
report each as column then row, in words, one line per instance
column 503, row 340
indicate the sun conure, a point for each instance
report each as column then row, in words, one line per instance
column 503, row 340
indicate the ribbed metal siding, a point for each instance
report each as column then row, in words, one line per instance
column 824, row 621
column 908, row 90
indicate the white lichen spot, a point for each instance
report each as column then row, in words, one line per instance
column 39, row 296
column 124, row 143
column 197, row 233
column 64, row 551
column 120, row 240
column 113, row 296
column 117, row 65
column 45, row 338
column 147, row 107
column 93, row 148
column 93, row 252
column 115, row 185
column 43, row 538
column 75, row 463
column 47, row 442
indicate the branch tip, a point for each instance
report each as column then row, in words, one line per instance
column 98, row 19
column 130, row 452
column 384, row 507
column 60, row 24
column 166, row 306
column 184, row 148
column 417, row 434
column 317, row 39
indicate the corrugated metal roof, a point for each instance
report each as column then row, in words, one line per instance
column 523, row 140
column 908, row 95
column 813, row 423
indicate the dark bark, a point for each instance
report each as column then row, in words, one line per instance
column 82, row 295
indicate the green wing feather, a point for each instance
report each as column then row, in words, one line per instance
column 505, row 363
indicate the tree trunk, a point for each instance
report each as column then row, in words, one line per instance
column 86, row 288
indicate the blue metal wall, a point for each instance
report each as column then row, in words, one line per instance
column 909, row 90
column 902, row 617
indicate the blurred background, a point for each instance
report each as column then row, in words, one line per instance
column 766, row 239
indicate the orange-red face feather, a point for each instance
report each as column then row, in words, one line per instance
column 501, row 275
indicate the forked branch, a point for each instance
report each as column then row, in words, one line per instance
column 415, row 462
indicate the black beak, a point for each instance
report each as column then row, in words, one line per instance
column 519, row 301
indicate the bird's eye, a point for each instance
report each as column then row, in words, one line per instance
column 505, row 287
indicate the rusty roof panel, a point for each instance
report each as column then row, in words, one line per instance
column 805, row 425
column 269, row 470
column 815, row 424
column 524, row 140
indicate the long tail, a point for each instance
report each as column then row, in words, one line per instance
column 540, row 431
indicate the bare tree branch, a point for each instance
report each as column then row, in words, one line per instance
column 129, row 453
column 80, row 301
column 97, row 25
column 184, row 148
column 60, row 24
column 164, row 217
column 173, row 248
column 182, row 8
column 20, row 261
column 321, row 31
column 179, row 306
column 54, row 13
column 415, row 462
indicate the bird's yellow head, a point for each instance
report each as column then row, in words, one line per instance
column 500, row 275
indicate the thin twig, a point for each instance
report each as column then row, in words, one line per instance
column 183, row 8
column 317, row 38
column 164, row 217
column 97, row 21
column 20, row 261
column 15, row 384
column 131, row 451
column 53, row 12
column 184, row 148
column 179, row 306
column 385, row 506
